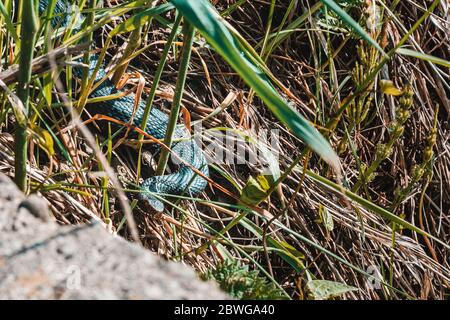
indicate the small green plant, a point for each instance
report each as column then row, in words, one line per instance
column 419, row 171
column 330, row 20
column 396, row 129
column 242, row 283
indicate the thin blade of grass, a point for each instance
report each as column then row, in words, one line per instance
column 370, row 205
column 202, row 15
column 140, row 19
column 350, row 22
column 8, row 22
column 423, row 56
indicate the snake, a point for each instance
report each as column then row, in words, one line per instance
column 183, row 180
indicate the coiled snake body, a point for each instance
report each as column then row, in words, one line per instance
column 184, row 180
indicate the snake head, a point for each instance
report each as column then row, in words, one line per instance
column 148, row 187
column 152, row 202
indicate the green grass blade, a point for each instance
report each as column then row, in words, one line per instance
column 423, row 56
column 140, row 19
column 279, row 36
column 8, row 22
column 370, row 205
column 350, row 22
column 208, row 22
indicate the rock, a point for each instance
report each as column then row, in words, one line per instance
column 41, row 260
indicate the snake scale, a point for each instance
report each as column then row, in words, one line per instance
column 184, row 180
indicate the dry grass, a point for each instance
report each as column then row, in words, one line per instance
column 420, row 269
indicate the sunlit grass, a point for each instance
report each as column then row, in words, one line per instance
column 342, row 134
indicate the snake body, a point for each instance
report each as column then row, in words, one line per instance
column 184, row 180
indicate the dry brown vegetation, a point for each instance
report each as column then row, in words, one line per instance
column 404, row 139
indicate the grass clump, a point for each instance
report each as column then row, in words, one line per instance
column 242, row 283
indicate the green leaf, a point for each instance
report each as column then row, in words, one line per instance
column 223, row 251
column 255, row 190
column 202, row 15
column 352, row 23
column 423, row 56
column 324, row 289
column 292, row 250
column 389, row 88
column 44, row 139
column 326, row 218
column 140, row 19
column 8, row 22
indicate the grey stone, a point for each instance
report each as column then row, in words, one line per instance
column 41, row 260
